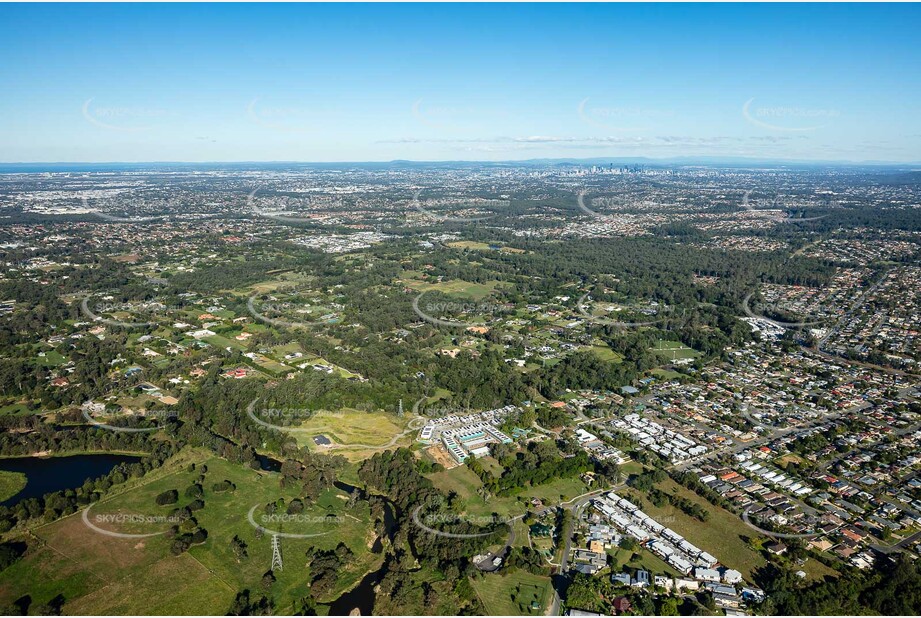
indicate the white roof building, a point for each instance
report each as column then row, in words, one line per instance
column 731, row 576
column 707, row 575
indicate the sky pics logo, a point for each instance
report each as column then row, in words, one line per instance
column 122, row 118
column 788, row 119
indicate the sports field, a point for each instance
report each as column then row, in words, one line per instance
column 674, row 350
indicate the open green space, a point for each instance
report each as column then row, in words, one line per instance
column 665, row 374
column 11, row 483
column 512, row 594
column 724, row 534
column 52, row 358
column 466, row 289
column 102, row 574
column 607, row 354
column 15, row 408
column 347, row 427
column 465, row 483
column 223, row 342
column 468, row 244
column 674, row 350
column 640, row 558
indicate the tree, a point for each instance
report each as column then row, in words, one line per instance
column 170, row 496
column 668, row 606
column 239, row 548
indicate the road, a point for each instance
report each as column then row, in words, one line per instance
column 487, row 564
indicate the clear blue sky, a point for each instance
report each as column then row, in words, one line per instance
column 244, row 82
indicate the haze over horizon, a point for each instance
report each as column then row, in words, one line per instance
column 327, row 83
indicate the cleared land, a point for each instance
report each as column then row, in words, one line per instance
column 348, row 427
column 640, row 559
column 468, row 244
column 511, row 594
column 474, row 291
column 665, row 374
column 607, row 354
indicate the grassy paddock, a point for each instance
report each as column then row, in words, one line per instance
column 101, row 574
column 607, row 354
column 11, row 483
column 496, row 592
column 724, row 535
column 466, row 289
column 465, row 483
column 347, row 427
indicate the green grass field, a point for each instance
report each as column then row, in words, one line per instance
column 640, row 559
column 674, row 350
column 465, row 483
column 522, row 533
column 665, row 374
column 15, row 408
column 52, row 358
column 280, row 281
column 222, row 342
column 288, row 348
column 466, row 289
column 511, row 594
column 723, row 535
column 100, row 574
column 606, row 354
column 468, row 244
column 494, row 467
column 347, row 427
column 11, row 483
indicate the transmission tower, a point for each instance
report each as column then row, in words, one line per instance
column 276, row 554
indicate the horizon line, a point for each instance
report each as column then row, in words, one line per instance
column 681, row 159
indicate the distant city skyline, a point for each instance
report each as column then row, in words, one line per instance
column 330, row 83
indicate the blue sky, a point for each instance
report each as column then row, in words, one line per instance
column 241, row 82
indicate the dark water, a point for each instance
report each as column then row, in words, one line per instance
column 362, row 596
column 48, row 474
column 268, row 463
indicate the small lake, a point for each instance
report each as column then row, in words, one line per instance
column 268, row 463
column 48, row 474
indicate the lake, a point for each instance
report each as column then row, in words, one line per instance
column 48, row 474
